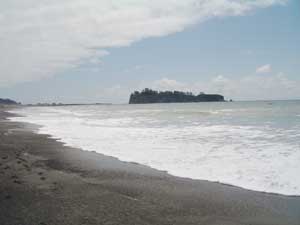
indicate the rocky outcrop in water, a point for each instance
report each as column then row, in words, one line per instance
column 150, row 96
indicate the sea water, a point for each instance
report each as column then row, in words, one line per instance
column 254, row 145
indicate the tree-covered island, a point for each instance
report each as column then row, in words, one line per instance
column 151, row 96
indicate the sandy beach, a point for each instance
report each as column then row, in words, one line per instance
column 42, row 182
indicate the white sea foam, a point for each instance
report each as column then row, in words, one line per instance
column 185, row 141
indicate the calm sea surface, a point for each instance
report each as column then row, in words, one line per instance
column 254, row 145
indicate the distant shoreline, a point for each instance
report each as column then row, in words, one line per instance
column 126, row 103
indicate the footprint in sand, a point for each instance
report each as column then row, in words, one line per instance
column 26, row 167
column 14, row 177
column 7, row 197
column 17, row 182
column 6, row 168
column 55, row 186
column 21, row 159
column 41, row 175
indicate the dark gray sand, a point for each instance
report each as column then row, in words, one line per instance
column 44, row 183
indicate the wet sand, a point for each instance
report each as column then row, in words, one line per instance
column 42, row 182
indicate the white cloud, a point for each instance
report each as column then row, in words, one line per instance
column 257, row 87
column 264, row 69
column 134, row 68
column 246, row 88
column 40, row 38
column 169, row 84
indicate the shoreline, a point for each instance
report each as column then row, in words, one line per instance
column 34, row 128
column 45, row 182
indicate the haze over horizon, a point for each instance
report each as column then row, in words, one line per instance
column 100, row 51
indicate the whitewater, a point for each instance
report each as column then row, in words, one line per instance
column 253, row 145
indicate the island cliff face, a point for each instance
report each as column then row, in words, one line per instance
column 150, row 96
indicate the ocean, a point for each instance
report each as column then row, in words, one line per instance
column 253, row 145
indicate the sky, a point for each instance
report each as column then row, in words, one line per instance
column 78, row 51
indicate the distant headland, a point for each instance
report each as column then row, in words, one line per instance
column 8, row 102
column 147, row 96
